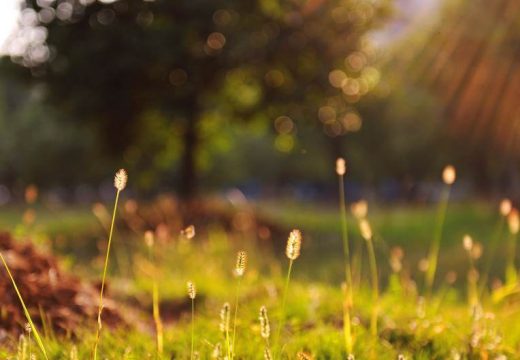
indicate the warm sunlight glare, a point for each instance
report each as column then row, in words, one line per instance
column 8, row 17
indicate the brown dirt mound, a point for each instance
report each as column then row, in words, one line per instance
column 64, row 300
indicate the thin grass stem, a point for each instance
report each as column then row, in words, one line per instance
column 235, row 318
column 511, row 272
column 497, row 235
column 155, row 298
column 100, row 308
column 192, row 327
column 278, row 346
column 375, row 287
column 433, row 255
column 349, row 301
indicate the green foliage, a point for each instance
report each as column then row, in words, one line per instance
column 151, row 77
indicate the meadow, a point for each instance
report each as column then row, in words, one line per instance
column 280, row 279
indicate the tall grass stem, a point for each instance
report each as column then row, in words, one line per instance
column 101, row 292
column 433, row 255
column 281, row 324
column 348, row 304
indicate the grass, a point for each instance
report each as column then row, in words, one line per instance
column 441, row 328
column 313, row 322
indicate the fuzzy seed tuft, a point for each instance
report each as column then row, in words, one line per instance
column 513, row 221
column 120, row 179
column 240, row 267
column 294, row 244
column 225, row 318
column 467, row 243
column 341, row 167
column 149, row 238
column 265, row 328
column 365, row 229
column 192, row 291
column 505, row 207
column 449, row 175
column 188, row 232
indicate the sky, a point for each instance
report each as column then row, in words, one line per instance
column 8, row 18
column 409, row 10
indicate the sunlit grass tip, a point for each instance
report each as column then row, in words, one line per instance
column 225, row 318
column 192, row 291
column 241, row 263
column 359, row 209
column 265, row 328
column 505, row 207
column 303, row 356
column 188, row 232
column 120, row 179
column 449, row 175
column 513, row 221
column 294, row 244
column 149, row 239
column 341, row 167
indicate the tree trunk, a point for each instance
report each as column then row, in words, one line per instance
column 188, row 181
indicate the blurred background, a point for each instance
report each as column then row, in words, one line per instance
column 205, row 96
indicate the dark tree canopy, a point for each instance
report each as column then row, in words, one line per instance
column 113, row 64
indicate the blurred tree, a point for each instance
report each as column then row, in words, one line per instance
column 35, row 142
column 127, row 65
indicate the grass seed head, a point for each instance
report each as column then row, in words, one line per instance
column 267, row 354
column 365, row 229
column 476, row 251
column 240, row 267
column 341, row 167
column 189, row 232
column 303, row 356
column 451, row 277
column 192, row 291
column 359, row 209
column 120, row 179
column 449, row 175
column 294, row 244
column 513, row 221
column 74, row 353
column 225, row 318
column 396, row 257
column 149, row 238
column 467, row 243
column 217, row 352
column 505, row 207
column 265, row 328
